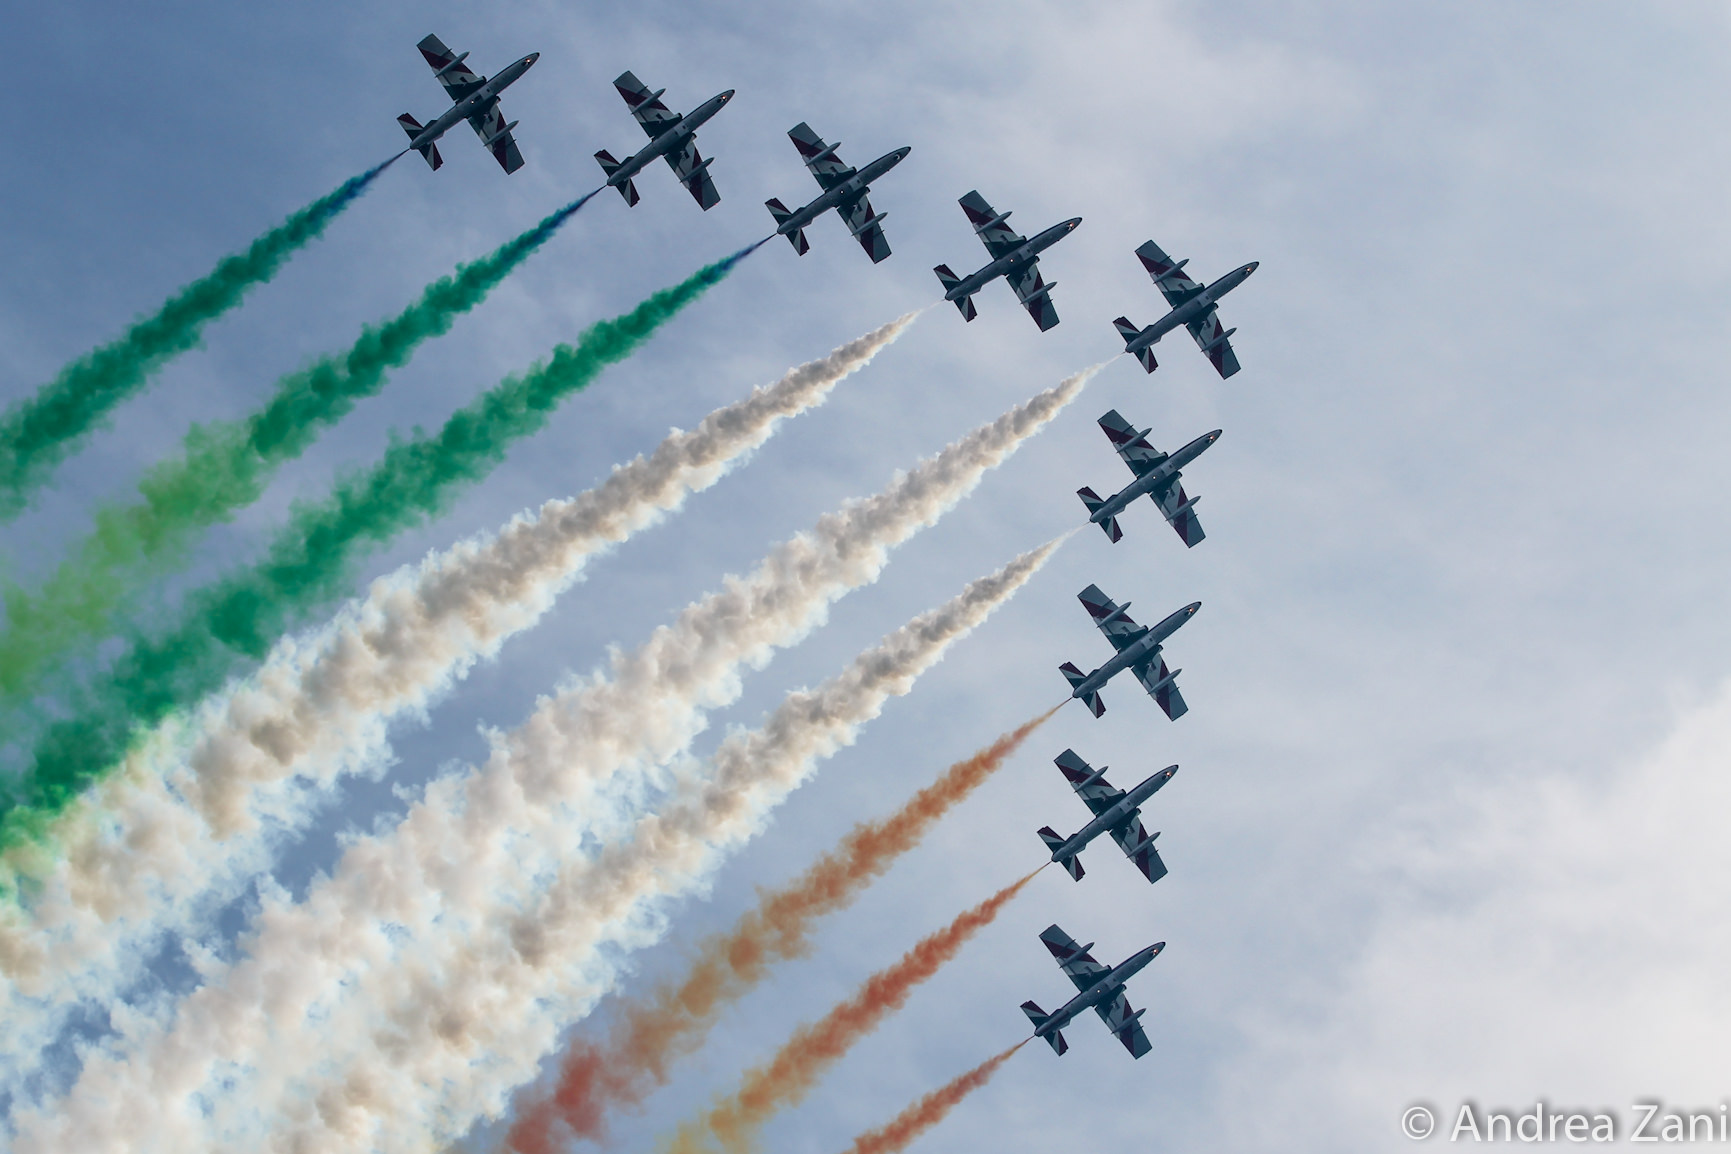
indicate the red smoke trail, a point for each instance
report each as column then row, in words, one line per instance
column 895, row 1135
column 672, row 1021
column 807, row 1056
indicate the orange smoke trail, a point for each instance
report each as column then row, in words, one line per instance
column 895, row 1135
column 673, row 1020
column 788, row 1077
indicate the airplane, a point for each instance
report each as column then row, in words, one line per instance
column 671, row 136
column 1138, row 651
column 1115, row 812
column 1157, row 474
column 1193, row 307
column 473, row 98
column 844, row 189
column 1014, row 257
column 1101, row 990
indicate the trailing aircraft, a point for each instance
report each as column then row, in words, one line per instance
column 1014, row 257
column 671, row 136
column 1193, row 307
column 473, row 98
column 1138, row 649
column 1115, row 812
column 844, row 189
column 1099, row 989
column 1157, row 475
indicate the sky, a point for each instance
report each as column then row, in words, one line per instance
column 1446, row 827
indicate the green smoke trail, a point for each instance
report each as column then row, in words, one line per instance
column 311, row 562
column 38, row 433
column 226, row 466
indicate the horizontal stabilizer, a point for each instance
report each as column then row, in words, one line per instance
column 608, row 164
column 797, row 239
column 1039, row 1017
column 1077, row 677
column 1126, row 330
column 429, row 151
column 1146, row 356
column 968, row 311
column 1050, row 837
column 777, row 209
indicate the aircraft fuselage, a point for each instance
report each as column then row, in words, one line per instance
column 1142, row 650
column 670, row 141
column 1012, row 262
column 476, row 103
column 855, row 185
column 1193, row 309
column 1154, row 478
column 1104, row 990
column 1125, row 809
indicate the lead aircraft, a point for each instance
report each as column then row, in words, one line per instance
column 1100, row 989
column 1138, row 649
column 1193, row 307
column 844, row 189
column 1115, row 812
column 1157, row 474
column 1014, row 257
column 473, row 98
column 671, row 136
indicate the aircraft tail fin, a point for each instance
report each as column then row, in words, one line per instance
column 1039, row 1017
column 1129, row 332
column 1110, row 524
column 1077, row 677
column 950, row 280
column 429, row 151
column 1054, row 843
column 628, row 189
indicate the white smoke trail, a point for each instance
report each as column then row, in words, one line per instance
column 514, row 984
column 187, row 823
column 478, row 844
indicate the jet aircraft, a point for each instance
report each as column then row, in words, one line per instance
column 1138, row 651
column 671, row 136
column 1157, row 474
column 1014, row 257
column 1193, row 307
column 844, row 189
column 1115, row 812
column 473, row 98
column 1101, row 990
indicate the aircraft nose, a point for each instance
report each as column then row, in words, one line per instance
column 1251, row 267
column 726, row 96
column 1193, row 607
column 531, row 58
column 1073, row 222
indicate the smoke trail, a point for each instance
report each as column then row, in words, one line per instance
column 225, row 466
column 135, row 860
column 38, row 433
column 673, row 1020
column 310, row 562
column 789, row 1077
column 433, row 931
column 899, row 1132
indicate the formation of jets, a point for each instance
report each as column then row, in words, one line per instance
column 1015, row 258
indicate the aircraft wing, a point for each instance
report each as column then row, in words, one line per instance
column 1173, row 282
column 655, row 117
column 1123, row 1021
column 490, row 127
column 1111, row 618
column 999, row 238
column 863, row 223
column 819, row 157
column 1078, row 964
column 1151, row 674
column 1131, row 445
column 1180, row 514
column 458, row 81
column 1035, row 295
column 694, row 175
column 1132, row 837
column 1096, row 794
column 1213, row 343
